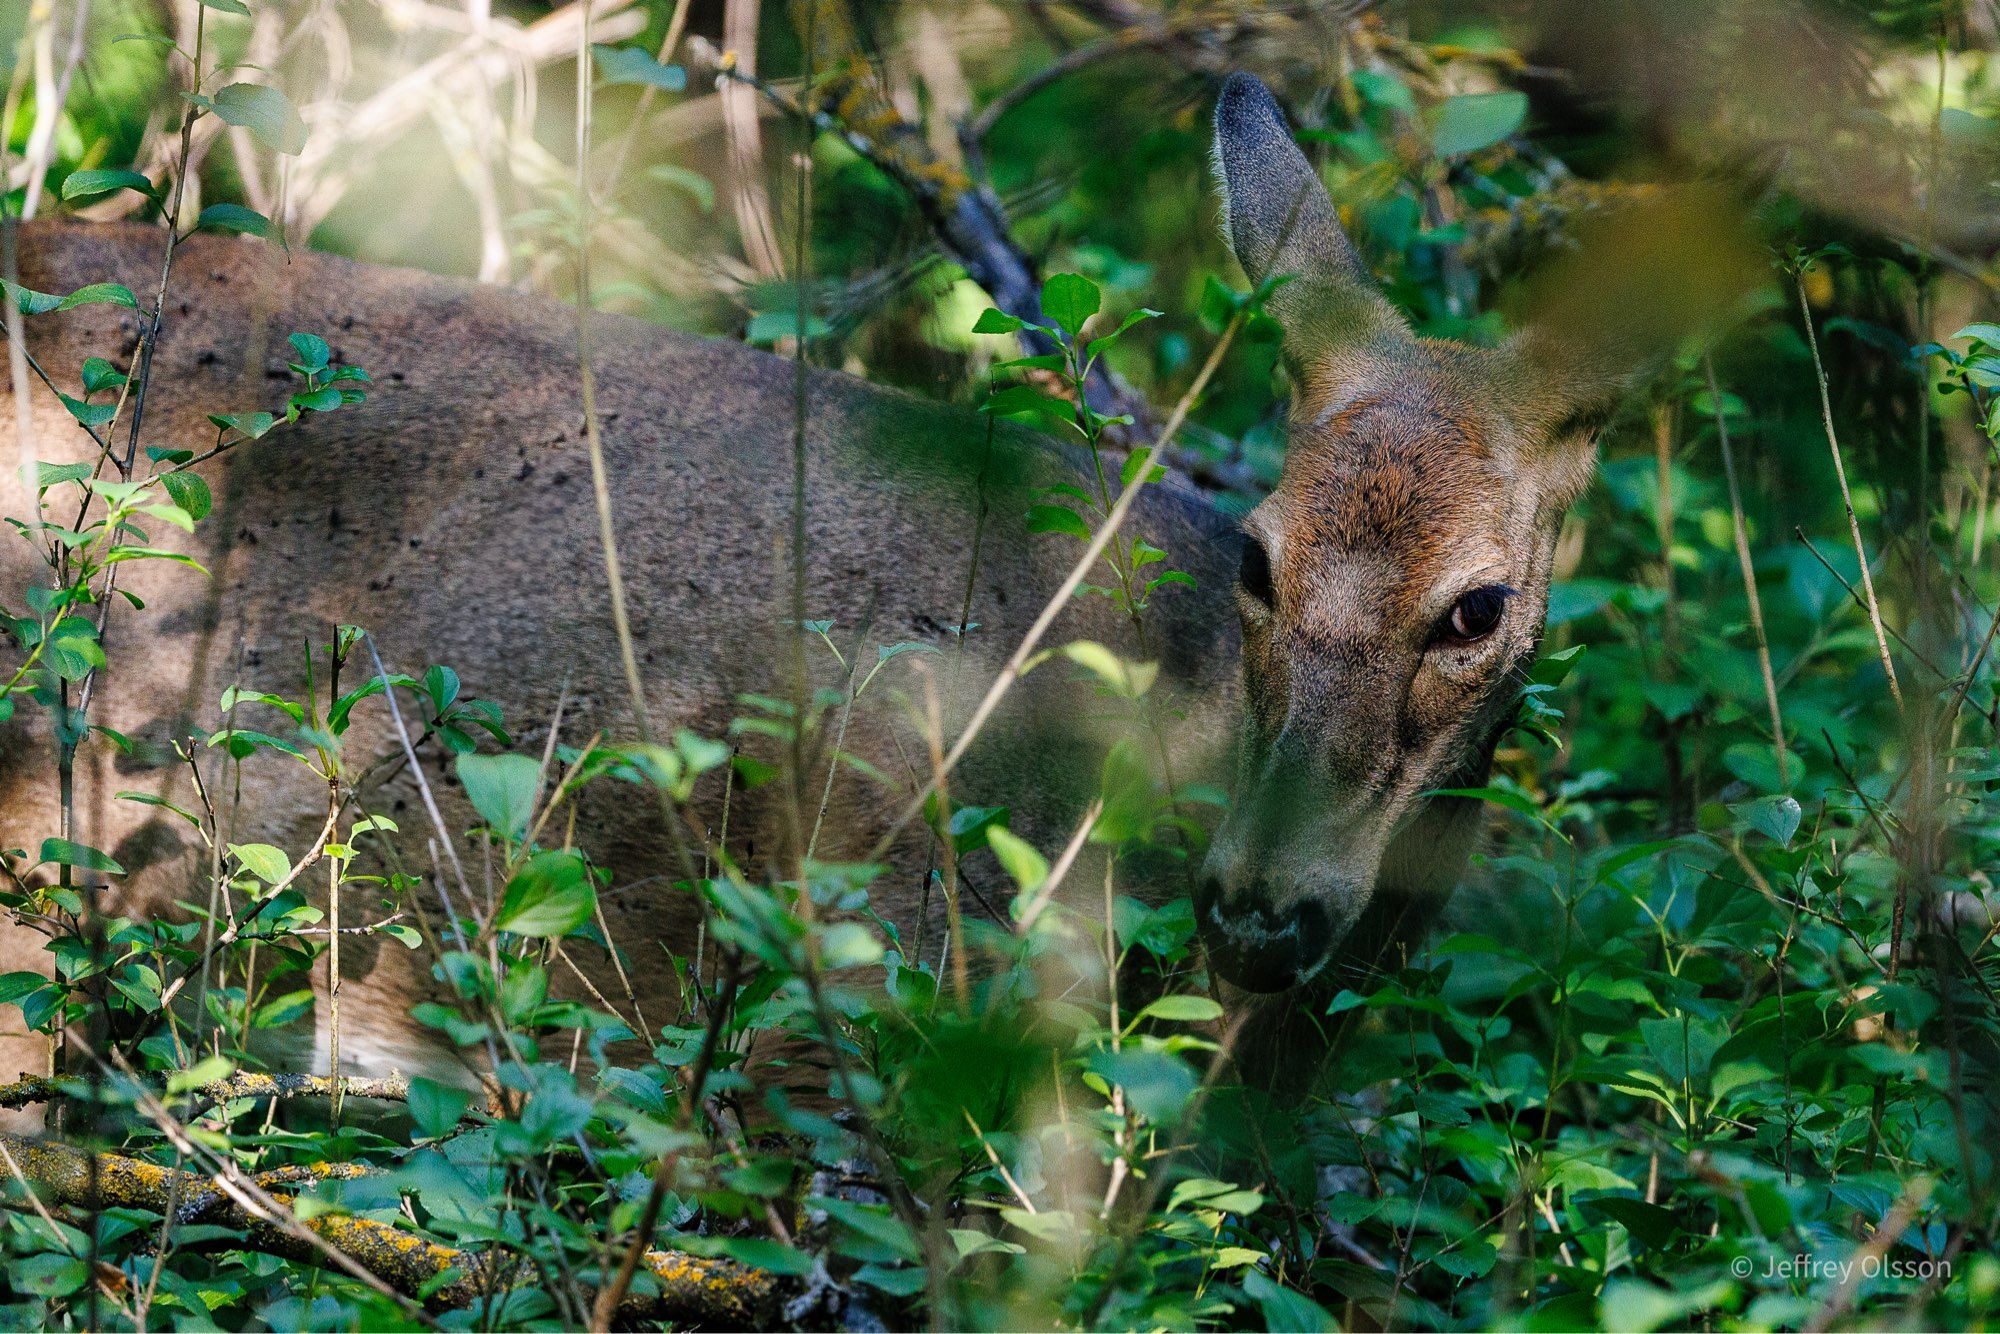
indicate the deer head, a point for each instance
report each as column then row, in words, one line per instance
column 1393, row 587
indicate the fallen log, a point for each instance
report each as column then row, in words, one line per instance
column 691, row 1289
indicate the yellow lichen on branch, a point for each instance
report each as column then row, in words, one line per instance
column 247, row 1084
column 691, row 1289
column 846, row 87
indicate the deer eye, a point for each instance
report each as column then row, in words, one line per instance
column 1475, row 615
column 1255, row 575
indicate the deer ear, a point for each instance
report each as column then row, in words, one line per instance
column 1281, row 222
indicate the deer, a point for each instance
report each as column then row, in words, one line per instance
column 1353, row 646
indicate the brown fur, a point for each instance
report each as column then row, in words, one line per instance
column 1416, row 472
column 452, row 515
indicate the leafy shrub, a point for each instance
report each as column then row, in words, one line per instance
column 1709, row 1037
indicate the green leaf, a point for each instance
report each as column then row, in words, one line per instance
column 49, row 475
column 277, row 1013
column 267, row 863
column 207, row 1070
column 98, row 181
column 228, row 6
column 313, row 352
column 1046, row 361
column 1499, row 796
column 523, row 990
column 768, row 326
column 13, row 986
column 265, row 112
column 873, row 1223
column 190, row 492
column 1384, row 90
column 551, row 895
column 141, row 986
column 1057, row 519
column 1220, row 1196
column 48, row 1275
column 234, row 218
column 62, row 852
column 1136, row 468
column 1026, row 401
column 1648, row 1223
column 27, row 300
column 1988, row 334
column 152, row 799
column 90, row 414
column 1284, row 1309
column 30, row 302
column 971, row 825
column 1097, row 345
column 73, row 656
column 1019, row 857
column 502, row 788
column 630, row 65
column 1777, row 818
column 99, row 375
column 1636, row 1305
column 1070, row 299
column 1157, row 1086
column 1682, row 1047
column 1188, row 1009
column 1472, row 121
column 992, row 321
column 683, row 178
column 764, row 1253
column 251, row 425
column 904, row 1282
column 100, row 294
column 435, row 1107
column 1122, row 677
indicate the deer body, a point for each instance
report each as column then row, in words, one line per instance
column 1389, row 593
column 452, row 515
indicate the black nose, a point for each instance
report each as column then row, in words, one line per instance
column 1258, row 948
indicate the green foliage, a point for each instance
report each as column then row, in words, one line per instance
column 1707, row 1039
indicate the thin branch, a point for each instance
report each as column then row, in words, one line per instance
column 1846, row 496
column 1749, row 570
column 1862, row 602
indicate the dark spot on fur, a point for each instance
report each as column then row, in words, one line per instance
column 150, row 844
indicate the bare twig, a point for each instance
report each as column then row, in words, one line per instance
column 1749, row 570
column 1847, row 497
column 1046, row 891
column 49, row 101
column 745, row 137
